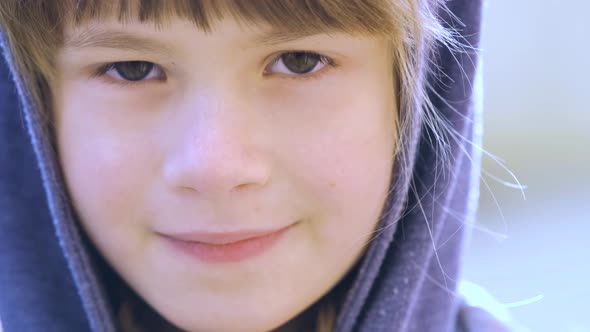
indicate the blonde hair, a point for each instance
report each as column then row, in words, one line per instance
column 34, row 32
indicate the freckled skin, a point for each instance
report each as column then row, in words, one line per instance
column 219, row 145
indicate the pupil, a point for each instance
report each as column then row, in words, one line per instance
column 134, row 70
column 300, row 62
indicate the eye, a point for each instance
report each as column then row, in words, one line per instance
column 131, row 71
column 298, row 63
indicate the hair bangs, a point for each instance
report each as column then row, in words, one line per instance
column 366, row 17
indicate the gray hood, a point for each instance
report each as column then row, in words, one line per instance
column 52, row 279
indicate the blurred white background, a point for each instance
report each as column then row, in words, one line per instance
column 537, row 119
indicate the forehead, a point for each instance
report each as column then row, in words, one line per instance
column 367, row 17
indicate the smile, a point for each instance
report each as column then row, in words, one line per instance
column 226, row 247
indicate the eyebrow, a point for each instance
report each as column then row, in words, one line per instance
column 118, row 40
column 122, row 40
column 274, row 37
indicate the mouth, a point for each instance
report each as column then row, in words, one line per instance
column 226, row 247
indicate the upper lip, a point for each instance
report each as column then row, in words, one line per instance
column 219, row 238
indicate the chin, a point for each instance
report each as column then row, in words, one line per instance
column 248, row 319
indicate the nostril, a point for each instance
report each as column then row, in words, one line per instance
column 217, row 170
column 184, row 188
column 241, row 187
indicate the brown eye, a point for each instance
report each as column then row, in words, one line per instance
column 300, row 62
column 133, row 70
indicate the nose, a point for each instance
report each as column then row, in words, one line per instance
column 216, row 150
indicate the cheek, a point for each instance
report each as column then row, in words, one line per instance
column 107, row 174
column 342, row 157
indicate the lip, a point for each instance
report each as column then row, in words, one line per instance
column 225, row 247
column 219, row 238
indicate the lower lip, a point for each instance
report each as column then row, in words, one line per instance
column 231, row 252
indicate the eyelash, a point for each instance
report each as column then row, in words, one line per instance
column 329, row 62
column 104, row 69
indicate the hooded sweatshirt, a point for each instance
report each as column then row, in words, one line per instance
column 52, row 279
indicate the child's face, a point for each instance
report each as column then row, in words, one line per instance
column 217, row 138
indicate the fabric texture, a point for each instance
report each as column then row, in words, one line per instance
column 51, row 279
